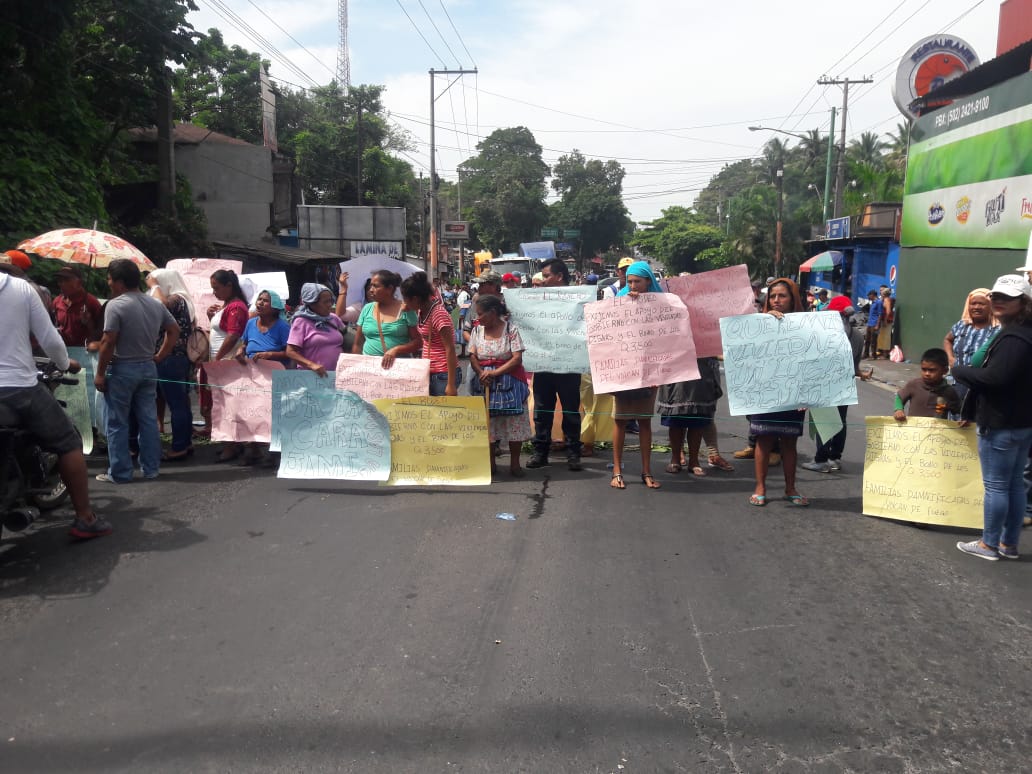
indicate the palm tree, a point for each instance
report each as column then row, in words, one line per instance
column 774, row 156
column 814, row 148
column 867, row 149
column 898, row 146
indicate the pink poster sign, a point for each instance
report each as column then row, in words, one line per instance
column 710, row 296
column 363, row 375
column 642, row 341
column 196, row 273
column 241, row 399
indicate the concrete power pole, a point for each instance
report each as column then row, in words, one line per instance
column 840, row 174
column 434, row 238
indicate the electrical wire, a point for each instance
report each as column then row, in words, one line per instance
column 434, row 25
column 299, row 43
column 420, row 33
column 448, row 15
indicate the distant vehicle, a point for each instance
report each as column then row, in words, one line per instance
column 508, row 264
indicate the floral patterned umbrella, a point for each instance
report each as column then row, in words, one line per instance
column 87, row 246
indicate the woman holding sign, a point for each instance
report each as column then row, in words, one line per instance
column 385, row 328
column 316, row 333
column 438, row 335
column 496, row 350
column 784, row 426
column 635, row 404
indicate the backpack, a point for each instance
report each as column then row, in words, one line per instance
column 198, row 346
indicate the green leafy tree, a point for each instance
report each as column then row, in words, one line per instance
column 866, row 149
column 220, row 89
column 591, row 200
column 505, row 182
column 679, row 239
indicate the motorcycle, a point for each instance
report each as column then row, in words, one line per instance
column 29, row 482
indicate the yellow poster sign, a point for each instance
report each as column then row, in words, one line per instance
column 924, row 470
column 437, row 441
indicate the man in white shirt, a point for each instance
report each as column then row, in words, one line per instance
column 25, row 400
column 610, row 291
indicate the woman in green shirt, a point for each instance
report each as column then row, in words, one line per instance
column 384, row 328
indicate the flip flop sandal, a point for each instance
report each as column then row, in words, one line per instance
column 698, row 471
column 673, row 467
column 617, row 482
column 649, row 481
column 797, row 501
column 758, row 500
column 716, row 461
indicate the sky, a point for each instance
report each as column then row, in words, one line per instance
column 668, row 88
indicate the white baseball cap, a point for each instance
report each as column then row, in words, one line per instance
column 1012, row 285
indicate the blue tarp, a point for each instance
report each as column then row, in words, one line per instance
column 542, row 251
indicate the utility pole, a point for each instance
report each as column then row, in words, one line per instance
column 434, row 240
column 840, row 176
column 781, row 214
column 827, row 167
column 358, row 164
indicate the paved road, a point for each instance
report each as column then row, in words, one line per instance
column 236, row 622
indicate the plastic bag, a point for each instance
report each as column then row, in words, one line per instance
column 896, row 354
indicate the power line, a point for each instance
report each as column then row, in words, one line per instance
column 434, row 25
column 420, row 33
column 448, row 15
column 299, row 43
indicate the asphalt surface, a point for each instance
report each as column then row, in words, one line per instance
column 236, row 622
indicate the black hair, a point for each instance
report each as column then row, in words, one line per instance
column 387, row 278
column 491, row 304
column 937, row 356
column 417, row 286
column 125, row 271
column 229, row 277
column 558, row 267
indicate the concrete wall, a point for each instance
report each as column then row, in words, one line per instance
column 933, row 284
column 233, row 184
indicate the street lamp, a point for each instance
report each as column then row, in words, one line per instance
column 827, row 168
column 816, row 190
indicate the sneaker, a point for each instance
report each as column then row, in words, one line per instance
column 1027, row 521
column 975, row 548
column 816, row 467
column 1007, row 552
column 632, row 426
column 107, row 479
column 573, row 462
column 775, row 460
column 97, row 528
column 835, row 464
column 745, row 454
column 537, row 461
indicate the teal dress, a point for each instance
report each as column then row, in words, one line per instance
column 395, row 333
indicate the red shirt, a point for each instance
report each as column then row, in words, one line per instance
column 77, row 318
column 434, row 328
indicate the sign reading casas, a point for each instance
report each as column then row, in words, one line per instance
column 969, row 172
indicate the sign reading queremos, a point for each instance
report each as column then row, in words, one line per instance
column 927, row 65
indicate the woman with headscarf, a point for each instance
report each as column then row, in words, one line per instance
column 435, row 329
column 783, row 427
column 637, row 404
column 977, row 325
column 265, row 335
column 174, row 372
column 385, row 328
column 316, row 333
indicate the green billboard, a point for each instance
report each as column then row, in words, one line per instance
column 969, row 172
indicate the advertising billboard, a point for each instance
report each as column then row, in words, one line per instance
column 969, row 172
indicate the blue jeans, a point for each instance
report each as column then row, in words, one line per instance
column 1003, row 454
column 174, row 372
column 132, row 388
column 439, row 382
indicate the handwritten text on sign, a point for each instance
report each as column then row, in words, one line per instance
column 551, row 324
column 293, row 390
column 241, row 399
column 926, row 470
column 437, row 441
column 803, row 360
column 333, row 435
column 710, row 296
column 640, row 341
column 363, row 374
column 196, row 273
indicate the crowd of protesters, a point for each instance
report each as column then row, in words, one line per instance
column 142, row 342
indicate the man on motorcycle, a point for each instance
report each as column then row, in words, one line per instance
column 22, row 316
